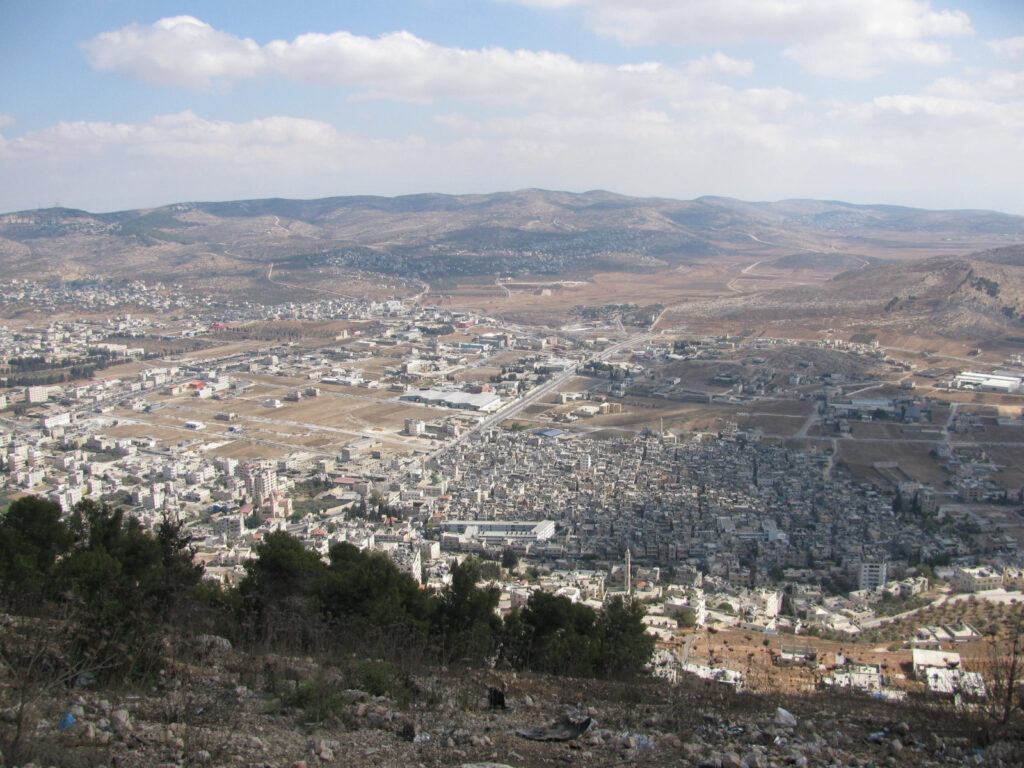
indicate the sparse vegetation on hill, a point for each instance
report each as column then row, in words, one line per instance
column 348, row 660
column 439, row 237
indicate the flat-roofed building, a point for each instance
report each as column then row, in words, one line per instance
column 498, row 531
column 471, row 401
column 978, row 579
column 873, row 575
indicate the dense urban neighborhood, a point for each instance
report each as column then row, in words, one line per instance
column 463, row 436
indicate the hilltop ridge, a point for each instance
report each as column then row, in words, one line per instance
column 430, row 236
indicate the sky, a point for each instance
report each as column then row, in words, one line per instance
column 115, row 104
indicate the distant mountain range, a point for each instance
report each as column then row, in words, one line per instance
column 432, row 236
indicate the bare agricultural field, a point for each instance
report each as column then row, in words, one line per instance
column 376, row 365
column 482, row 373
column 990, row 432
column 347, row 417
column 551, row 307
column 276, row 379
column 774, row 424
column 343, row 390
column 1010, row 460
column 246, row 450
column 536, row 410
column 876, row 430
column 913, row 459
column 122, row 371
column 162, row 432
column 221, row 350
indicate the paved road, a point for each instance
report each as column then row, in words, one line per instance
column 538, row 392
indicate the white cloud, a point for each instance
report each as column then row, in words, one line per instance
column 837, row 38
column 1010, row 47
column 187, row 52
column 719, row 62
column 856, row 58
column 643, row 128
column 184, row 136
column 944, row 147
column 180, row 50
column 998, row 86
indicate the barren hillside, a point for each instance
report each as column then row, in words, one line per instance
column 431, row 237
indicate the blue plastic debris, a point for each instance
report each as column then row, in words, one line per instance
column 66, row 722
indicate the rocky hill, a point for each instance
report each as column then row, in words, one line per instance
column 976, row 298
column 217, row 707
column 432, row 236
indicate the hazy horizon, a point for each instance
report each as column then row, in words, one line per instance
column 904, row 102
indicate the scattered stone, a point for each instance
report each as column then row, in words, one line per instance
column 209, row 643
column 353, row 695
column 693, row 751
column 784, row 719
column 120, row 721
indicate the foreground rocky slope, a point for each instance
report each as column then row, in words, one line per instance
column 222, row 708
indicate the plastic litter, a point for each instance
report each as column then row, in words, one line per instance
column 66, row 722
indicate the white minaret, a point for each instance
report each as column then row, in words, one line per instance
column 629, row 581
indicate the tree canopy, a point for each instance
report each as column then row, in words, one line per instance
column 136, row 587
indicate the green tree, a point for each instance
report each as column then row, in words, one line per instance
column 115, row 565
column 370, row 586
column 181, row 574
column 509, row 559
column 283, row 568
column 490, row 570
column 625, row 645
column 32, row 538
column 465, row 623
column 559, row 635
column 686, row 618
column 277, row 593
column 125, row 581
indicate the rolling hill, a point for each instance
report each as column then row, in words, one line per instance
column 436, row 237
